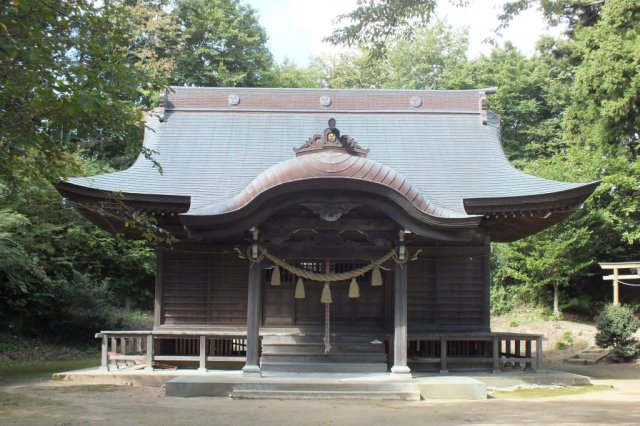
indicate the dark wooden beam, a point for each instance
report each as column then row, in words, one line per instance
column 311, row 250
column 400, row 320
column 254, row 315
column 292, row 224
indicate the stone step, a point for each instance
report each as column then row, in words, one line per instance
column 309, row 348
column 329, row 382
column 323, row 367
column 319, row 339
column 591, row 355
column 323, row 395
column 322, row 357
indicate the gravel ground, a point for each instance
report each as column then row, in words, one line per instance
column 52, row 404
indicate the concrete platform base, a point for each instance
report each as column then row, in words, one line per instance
column 546, row 378
column 297, row 386
column 451, row 387
column 381, row 386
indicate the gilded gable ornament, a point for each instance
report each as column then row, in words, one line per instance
column 331, row 139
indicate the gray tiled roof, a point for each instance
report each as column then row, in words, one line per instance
column 211, row 154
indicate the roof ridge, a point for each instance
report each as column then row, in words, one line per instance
column 330, row 100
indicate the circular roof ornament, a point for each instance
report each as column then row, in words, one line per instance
column 234, row 100
column 415, row 101
column 325, row 101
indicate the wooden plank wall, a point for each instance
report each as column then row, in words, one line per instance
column 281, row 309
column 448, row 294
column 445, row 293
column 200, row 289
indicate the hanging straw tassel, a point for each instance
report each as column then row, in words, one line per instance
column 299, row 289
column 376, row 277
column 326, row 294
column 354, row 290
column 275, row 276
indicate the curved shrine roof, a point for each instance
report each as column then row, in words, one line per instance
column 331, row 164
column 222, row 146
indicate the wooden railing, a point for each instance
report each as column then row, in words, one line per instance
column 497, row 350
column 142, row 348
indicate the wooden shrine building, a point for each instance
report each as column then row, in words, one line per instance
column 326, row 230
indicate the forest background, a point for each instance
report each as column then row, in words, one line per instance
column 76, row 77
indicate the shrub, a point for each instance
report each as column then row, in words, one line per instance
column 565, row 341
column 616, row 328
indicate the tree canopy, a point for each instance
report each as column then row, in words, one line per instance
column 75, row 79
column 376, row 23
column 223, row 45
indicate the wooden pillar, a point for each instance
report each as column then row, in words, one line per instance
column 497, row 343
column 486, row 285
column 254, row 302
column 527, row 365
column 104, row 355
column 157, row 302
column 203, row 354
column 400, row 320
column 443, row 355
column 507, row 353
column 616, row 294
column 149, row 355
column 517, row 352
column 538, row 354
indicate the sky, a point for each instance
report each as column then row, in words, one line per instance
column 296, row 27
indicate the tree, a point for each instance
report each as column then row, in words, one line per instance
column 75, row 77
column 348, row 71
column 574, row 13
column 606, row 103
column 288, row 74
column 375, row 23
column 617, row 326
column 421, row 62
column 224, row 45
column 531, row 97
column 69, row 80
column 60, row 277
column 418, row 63
column 550, row 258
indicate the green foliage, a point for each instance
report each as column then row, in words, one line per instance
column 574, row 13
column 69, row 80
column 550, row 258
column 19, row 371
column 547, row 392
column 418, row 63
column 223, row 45
column 75, row 77
column 59, row 275
column 531, row 96
column 376, row 23
column 504, row 299
column 582, row 304
column 288, row 74
column 606, row 107
column 565, row 341
column 616, row 326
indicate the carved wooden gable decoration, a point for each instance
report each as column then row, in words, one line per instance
column 331, row 139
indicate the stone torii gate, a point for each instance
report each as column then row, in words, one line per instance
column 616, row 277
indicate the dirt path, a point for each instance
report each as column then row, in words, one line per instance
column 52, row 404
